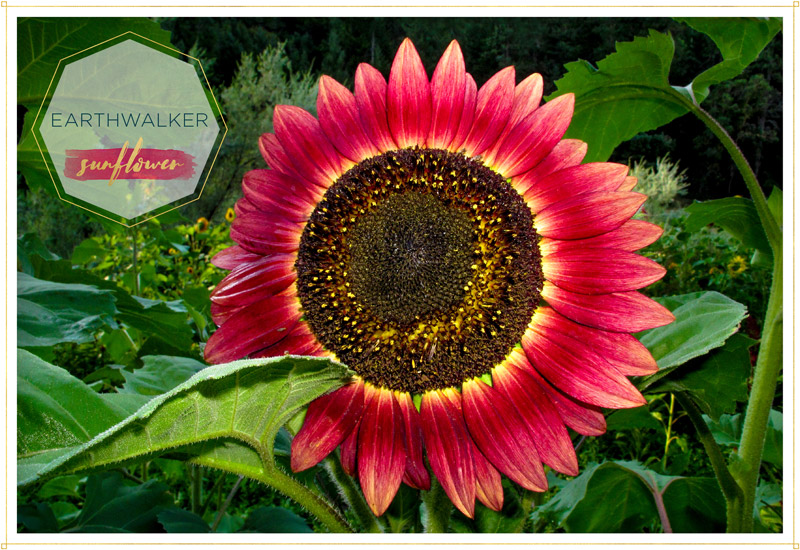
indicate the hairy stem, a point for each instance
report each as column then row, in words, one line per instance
column 437, row 509
column 352, row 496
column 765, row 380
column 301, row 494
column 769, row 362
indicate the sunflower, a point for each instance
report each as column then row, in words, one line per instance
column 448, row 245
column 230, row 215
column 201, row 225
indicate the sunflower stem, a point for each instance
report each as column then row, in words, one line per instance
column 730, row 489
column 301, row 494
column 747, row 464
column 765, row 381
column 437, row 512
column 352, row 495
column 771, row 228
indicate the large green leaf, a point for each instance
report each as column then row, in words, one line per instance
column 49, row 313
column 739, row 40
column 225, row 416
column 56, row 413
column 736, row 215
column 166, row 322
column 112, row 506
column 160, row 374
column 727, row 431
column 622, row 497
column 716, row 381
column 629, row 90
column 628, row 93
column 703, row 321
column 43, row 42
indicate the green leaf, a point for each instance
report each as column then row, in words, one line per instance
column 403, row 513
column 608, row 498
column 739, row 39
column 628, row 93
column 629, row 419
column 225, row 416
column 176, row 520
column 703, row 321
column 717, row 381
column 695, row 505
column 48, row 40
column 56, row 413
column 112, row 506
column 511, row 519
column 727, row 431
column 775, row 204
column 50, row 313
column 160, row 374
column 62, row 486
column 272, row 519
column 736, row 215
column 620, row 497
column 37, row 518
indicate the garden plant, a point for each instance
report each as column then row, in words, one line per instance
column 413, row 302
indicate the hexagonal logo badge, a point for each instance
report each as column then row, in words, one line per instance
column 131, row 129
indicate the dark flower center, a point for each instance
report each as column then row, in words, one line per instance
column 419, row 269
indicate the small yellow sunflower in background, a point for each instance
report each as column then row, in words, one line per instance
column 230, row 215
column 737, row 266
column 202, row 224
column 190, row 270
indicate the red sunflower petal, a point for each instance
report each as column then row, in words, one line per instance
column 621, row 350
column 299, row 341
column 370, row 92
column 272, row 192
column 253, row 328
column 566, row 153
column 409, row 97
column 447, row 96
column 488, row 485
column 350, row 452
column 233, row 257
column 575, row 368
column 582, row 417
column 307, row 146
column 493, row 107
column 266, row 234
column 500, row 433
column 467, row 114
column 254, row 281
column 381, row 450
column 527, row 97
column 628, row 185
column 584, row 178
column 587, row 215
column 276, row 158
column 416, row 475
column 330, row 418
column 630, row 236
column 617, row 312
column 533, row 138
column 600, row 270
column 537, row 412
column 341, row 121
column 449, row 448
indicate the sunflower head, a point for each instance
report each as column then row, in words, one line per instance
column 447, row 244
column 201, row 225
column 230, row 215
